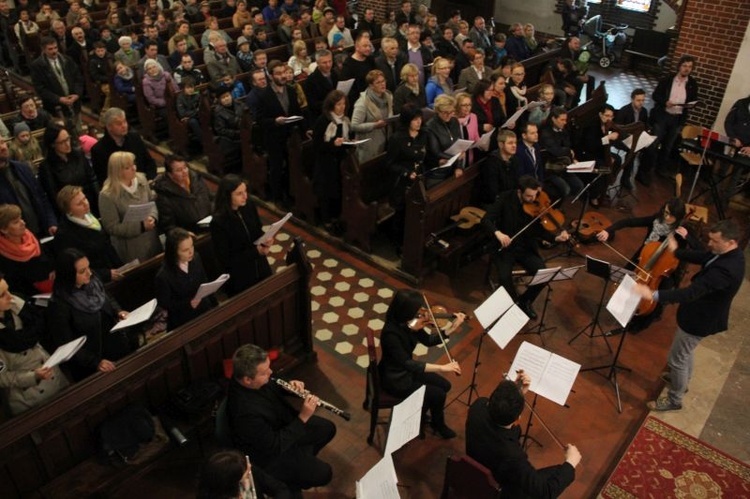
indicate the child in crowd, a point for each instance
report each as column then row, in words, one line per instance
column 24, row 147
column 244, row 54
column 188, row 104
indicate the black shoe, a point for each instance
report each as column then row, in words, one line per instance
column 528, row 310
column 443, row 431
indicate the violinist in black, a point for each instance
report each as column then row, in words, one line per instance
column 405, row 158
column 505, row 219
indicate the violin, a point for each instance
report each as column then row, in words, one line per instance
column 590, row 224
column 551, row 219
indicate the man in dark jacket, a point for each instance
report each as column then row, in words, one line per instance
column 493, row 439
column 57, row 80
column 499, row 172
column 704, row 304
column 673, row 97
column 118, row 138
column 320, row 83
column 635, row 112
column 181, row 196
column 737, row 126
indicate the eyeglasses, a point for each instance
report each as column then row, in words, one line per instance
column 518, row 74
column 63, row 141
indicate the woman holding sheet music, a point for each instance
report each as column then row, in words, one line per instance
column 235, row 227
column 179, row 278
column 81, row 307
column 126, row 187
column 24, row 380
column 400, row 373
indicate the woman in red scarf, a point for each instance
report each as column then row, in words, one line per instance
column 27, row 268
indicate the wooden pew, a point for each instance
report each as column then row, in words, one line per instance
column 301, row 164
column 428, row 211
column 536, row 66
column 50, row 451
column 365, row 197
column 254, row 162
column 179, row 133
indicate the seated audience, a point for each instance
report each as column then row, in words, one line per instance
column 31, row 114
column 372, row 109
column 80, row 306
column 124, row 83
column 539, row 115
column 300, row 61
column 226, row 119
column 24, row 147
column 127, row 54
column 188, row 106
column 25, row 264
column 118, row 137
column 124, row 187
column 24, row 380
column 472, row 75
column 182, row 196
column 320, row 82
column 155, row 83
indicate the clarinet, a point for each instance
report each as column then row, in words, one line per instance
column 306, row 393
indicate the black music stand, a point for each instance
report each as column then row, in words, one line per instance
column 544, row 276
column 613, row 367
column 601, row 269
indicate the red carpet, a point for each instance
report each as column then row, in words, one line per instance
column 662, row 462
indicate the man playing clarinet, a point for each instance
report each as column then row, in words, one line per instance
column 518, row 234
column 276, row 437
column 493, row 439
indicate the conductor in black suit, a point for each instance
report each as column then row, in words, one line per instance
column 282, row 441
column 704, row 304
column 57, row 79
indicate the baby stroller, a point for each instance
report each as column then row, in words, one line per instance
column 605, row 45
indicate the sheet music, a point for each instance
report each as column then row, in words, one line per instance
column 272, row 230
column 406, row 419
column 581, row 167
column 449, row 163
column 493, row 307
column 138, row 212
column 209, row 288
column 459, row 146
column 624, row 301
column 42, row 300
column 292, row 119
column 345, row 86
column 130, row 265
column 355, row 142
column 393, row 119
column 535, row 104
column 46, row 240
column 205, row 222
column 552, row 376
column 65, row 352
column 568, row 273
column 512, row 120
column 380, row 482
column 644, row 140
column 484, row 141
column 508, row 326
column 616, row 274
column 140, row 314
column 543, row 275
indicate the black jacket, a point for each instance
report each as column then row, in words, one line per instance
column 178, row 207
column 506, row 215
column 48, row 87
column 392, row 73
column 404, row 95
column 55, row 173
column 269, row 108
column 557, row 143
column 100, row 68
column 42, row 208
column 175, row 289
column 627, row 115
column 328, row 157
column 226, row 120
column 397, row 365
column 316, row 88
column 737, row 122
column 496, row 176
column 661, row 96
column 95, row 244
column 133, row 143
column 440, row 136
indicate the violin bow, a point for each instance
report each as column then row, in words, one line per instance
column 626, row 259
column 439, row 332
column 533, row 220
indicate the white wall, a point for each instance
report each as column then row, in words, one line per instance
column 666, row 19
column 739, row 83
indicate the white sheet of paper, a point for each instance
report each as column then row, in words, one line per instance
column 292, row 119
column 543, row 275
column 624, row 301
column 209, row 288
column 568, row 273
column 272, row 230
column 138, row 212
column 605, row 140
column 512, row 120
column 65, row 352
column 459, row 146
column 535, row 104
column 493, row 307
column 449, row 163
column 380, row 482
column 644, row 140
column 345, row 86
column 42, row 300
column 582, row 167
column 46, row 240
column 355, row 142
column 140, row 314
column 205, row 222
column 628, row 141
column 552, row 376
column 484, row 141
column 130, row 265
column 406, row 419
column 508, row 326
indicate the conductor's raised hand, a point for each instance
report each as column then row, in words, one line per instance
column 572, row 455
column 308, row 408
column 451, row 367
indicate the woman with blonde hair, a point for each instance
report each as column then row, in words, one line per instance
column 440, row 82
column 409, row 91
column 300, row 60
column 468, row 122
column 123, row 188
column 443, row 131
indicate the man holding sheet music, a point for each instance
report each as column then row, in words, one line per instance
column 493, row 439
column 704, row 304
column 518, row 238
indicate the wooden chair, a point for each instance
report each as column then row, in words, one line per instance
column 375, row 397
column 467, row 479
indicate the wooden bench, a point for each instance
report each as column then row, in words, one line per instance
column 428, row 211
column 365, row 197
column 301, row 165
column 50, row 451
column 537, row 65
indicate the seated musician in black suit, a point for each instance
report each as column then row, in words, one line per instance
column 504, row 219
column 492, row 438
column 594, row 145
column 264, row 426
column 628, row 114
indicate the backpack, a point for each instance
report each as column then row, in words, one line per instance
column 121, row 435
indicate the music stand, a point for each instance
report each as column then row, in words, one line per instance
column 614, row 366
column 547, row 276
column 602, row 269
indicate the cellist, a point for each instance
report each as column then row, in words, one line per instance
column 660, row 225
column 506, row 219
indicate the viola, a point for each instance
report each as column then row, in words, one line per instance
column 591, row 224
column 551, row 219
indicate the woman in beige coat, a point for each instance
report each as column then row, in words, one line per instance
column 125, row 187
column 372, row 109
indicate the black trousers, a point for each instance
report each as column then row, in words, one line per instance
column 529, row 260
column 436, row 389
column 298, row 466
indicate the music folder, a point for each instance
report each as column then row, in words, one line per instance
column 552, row 376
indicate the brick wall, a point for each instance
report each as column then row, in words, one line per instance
column 712, row 31
column 381, row 7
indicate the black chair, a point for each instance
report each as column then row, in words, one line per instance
column 375, row 397
column 467, row 479
column 221, row 431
